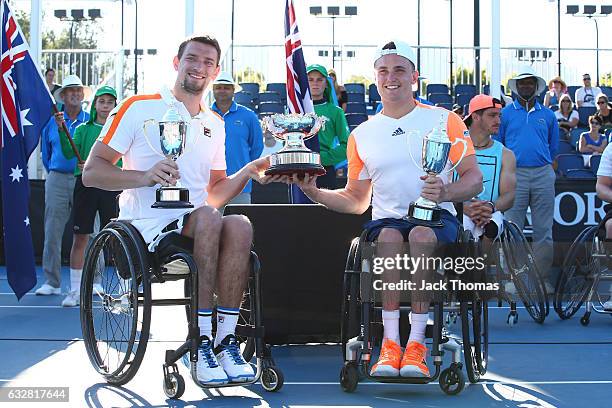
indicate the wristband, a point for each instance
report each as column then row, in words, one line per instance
column 492, row 205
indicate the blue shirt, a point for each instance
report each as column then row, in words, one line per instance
column 52, row 157
column 243, row 138
column 533, row 136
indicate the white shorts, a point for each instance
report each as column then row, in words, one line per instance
column 497, row 217
column 151, row 228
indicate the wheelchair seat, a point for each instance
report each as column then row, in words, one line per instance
column 166, row 254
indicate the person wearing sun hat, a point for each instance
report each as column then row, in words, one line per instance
column 334, row 134
column 59, row 183
column 88, row 201
column 531, row 131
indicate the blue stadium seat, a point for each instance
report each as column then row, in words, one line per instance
column 280, row 88
column 571, row 91
column 355, row 119
column 579, row 174
column 355, row 97
column 374, row 96
column 607, row 90
column 436, row 98
column 595, row 160
column 567, row 162
column 554, row 107
column 583, row 114
column 575, row 135
column 464, row 99
column 437, row 88
column 243, row 98
column 250, row 87
column 566, row 147
column 356, row 107
column 354, row 88
column 447, row 106
column 487, row 87
column 266, row 108
column 465, row 89
column 269, row 96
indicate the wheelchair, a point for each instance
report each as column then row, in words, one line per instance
column 116, row 323
column 514, row 262
column 361, row 328
column 585, row 266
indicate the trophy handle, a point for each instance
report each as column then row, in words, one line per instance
column 409, row 135
column 457, row 140
column 146, row 136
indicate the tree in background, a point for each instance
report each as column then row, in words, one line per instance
column 248, row 74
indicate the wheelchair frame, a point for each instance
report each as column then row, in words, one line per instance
column 134, row 270
column 357, row 342
column 583, row 263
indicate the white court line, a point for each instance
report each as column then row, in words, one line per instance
column 479, row 383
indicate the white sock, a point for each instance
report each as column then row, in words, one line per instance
column 227, row 319
column 75, row 280
column 205, row 322
column 391, row 325
column 418, row 324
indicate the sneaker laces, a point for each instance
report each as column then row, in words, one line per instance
column 415, row 354
column 234, row 351
column 207, row 354
column 386, row 353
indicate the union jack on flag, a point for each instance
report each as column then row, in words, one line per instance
column 26, row 107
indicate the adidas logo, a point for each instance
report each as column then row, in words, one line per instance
column 398, row 132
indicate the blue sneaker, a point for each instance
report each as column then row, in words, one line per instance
column 230, row 358
column 208, row 370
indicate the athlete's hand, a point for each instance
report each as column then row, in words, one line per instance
column 433, row 189
column 164, row 172
column 308, row 184
column 257, row 170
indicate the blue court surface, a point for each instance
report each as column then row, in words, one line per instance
column 558, row 364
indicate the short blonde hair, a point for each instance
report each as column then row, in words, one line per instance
column 563, row 98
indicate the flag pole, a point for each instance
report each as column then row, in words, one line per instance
column 65, row 129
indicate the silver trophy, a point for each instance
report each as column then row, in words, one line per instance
column 173, row 131
column 294, row 157
column 434, row 157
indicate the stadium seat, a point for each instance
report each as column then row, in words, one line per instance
column 566, row 147
column 464, row 98
column 486, row 88
column 554, row 107
column 595, row 160
column 583, row 114
column 269, row 96
column 447, row 106
column 243, row 98
column 355, row 97
column 250, row 87
column 267, row 108
column 567, row 162
column 437, row 88
column 579, row 174
column 465, row 89
column 571, row 91
column 280, row 88
column 354, row 88
column 607, row 90
column 436, row 98
column 575, row 135
column 356, row 107
column 355, row 119
column 373, row 95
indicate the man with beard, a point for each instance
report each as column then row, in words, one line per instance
column 221, row 245
column 531, row 131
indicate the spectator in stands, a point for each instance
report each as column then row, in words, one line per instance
column 593, row 142
column 458, row 109
column 532, row 133
column 604, row 192
column 333, row 137
column 604, row 112
column 557, row 88
column 87, row 200
column 59, row 185
column 585, row 95
column 339, row 89
column 50, row 80
column 566, row 116
column 243, row 136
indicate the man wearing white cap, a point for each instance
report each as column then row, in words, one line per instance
column 380, row 168
column 243, row 135
column 59, row 184
column 531, row 131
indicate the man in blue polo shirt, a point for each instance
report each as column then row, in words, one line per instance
column 243, row 135
column 531, row 131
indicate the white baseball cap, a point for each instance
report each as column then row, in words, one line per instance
column 396, row 47
column 225, row 78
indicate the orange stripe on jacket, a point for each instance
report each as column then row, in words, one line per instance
column 124, row 107
column 355, row 164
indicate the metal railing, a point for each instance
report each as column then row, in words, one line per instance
column 92, row 66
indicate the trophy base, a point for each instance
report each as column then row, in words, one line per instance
column 172, row 197
column 424, row 216
column 295, row 168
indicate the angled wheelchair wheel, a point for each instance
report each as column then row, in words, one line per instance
column 475, row 330
column 575, row 280
column 349, row 324
column 524, row 272
column 116, row 323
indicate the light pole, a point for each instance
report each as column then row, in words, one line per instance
column 333, row 12
column 591, row 13
column 76, row 16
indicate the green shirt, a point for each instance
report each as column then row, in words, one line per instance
column 332, row 139
column 84, row 138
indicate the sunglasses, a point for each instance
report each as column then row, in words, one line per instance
column 595, row 123
column 601, row 102
column 586, row 79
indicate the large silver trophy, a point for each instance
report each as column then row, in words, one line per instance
column 294, row 157
column 173, row 131
column 434, row 157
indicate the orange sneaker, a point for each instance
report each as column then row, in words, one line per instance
column 388, row 364
column 413, row 362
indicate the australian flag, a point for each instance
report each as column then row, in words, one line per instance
column 298, row 92
column 26, row 107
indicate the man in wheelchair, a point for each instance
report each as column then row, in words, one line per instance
column 381, row 170
column 221, row 245
column 604, row 192
column 482, row 216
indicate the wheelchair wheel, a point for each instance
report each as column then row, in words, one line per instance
column 349, row 325
column 116, row 323
column 524, row 272
column 573, row 285
column 475, row 330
